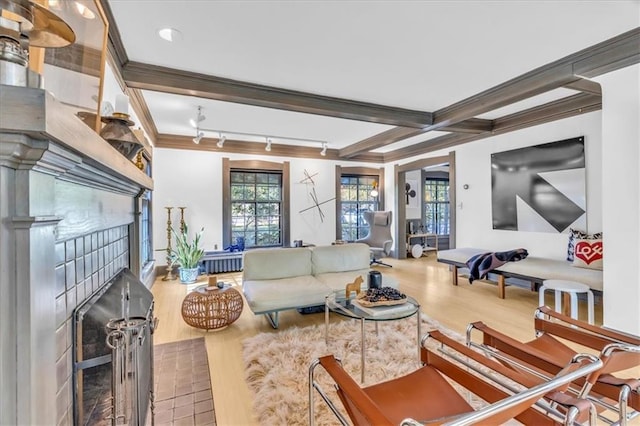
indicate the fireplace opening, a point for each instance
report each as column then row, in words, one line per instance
column 113, row 354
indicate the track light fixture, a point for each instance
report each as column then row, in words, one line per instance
column 196, row 123
column 268, row 147
column 198, row 137
column 324, row 149
column 199, row 118
column 221, row 139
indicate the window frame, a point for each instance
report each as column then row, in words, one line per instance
column 438, row 181
column 360, row 172
column 257, row 166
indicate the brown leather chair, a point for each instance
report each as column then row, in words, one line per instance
column 426, row 396
column 547, row 354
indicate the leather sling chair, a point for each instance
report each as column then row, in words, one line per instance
column 426, row 396
column 547, row 354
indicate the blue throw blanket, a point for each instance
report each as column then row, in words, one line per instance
column 481, row 264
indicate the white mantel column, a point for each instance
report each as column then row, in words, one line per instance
column 621, row 197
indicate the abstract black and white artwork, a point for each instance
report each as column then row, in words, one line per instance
column 540, row 188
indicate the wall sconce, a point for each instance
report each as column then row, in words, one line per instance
column 374, row 190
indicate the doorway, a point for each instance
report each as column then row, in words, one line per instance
column 432, row 166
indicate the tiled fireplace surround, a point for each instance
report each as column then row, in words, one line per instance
column 83, row 264
column 69, row 219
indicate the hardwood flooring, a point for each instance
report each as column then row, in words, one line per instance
column 424, row 279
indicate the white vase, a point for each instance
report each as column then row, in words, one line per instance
column 188, row 275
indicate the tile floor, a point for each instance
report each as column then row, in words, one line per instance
column 182, row 384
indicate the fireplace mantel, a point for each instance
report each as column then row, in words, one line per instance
column 37, row 114
column 62, row 189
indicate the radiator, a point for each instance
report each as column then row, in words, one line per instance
column 216, row 262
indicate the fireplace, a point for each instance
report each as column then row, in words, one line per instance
column 69, row 222
column 113, row 354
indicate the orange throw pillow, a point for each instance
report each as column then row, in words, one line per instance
column 588, row 254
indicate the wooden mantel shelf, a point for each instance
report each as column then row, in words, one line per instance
column 36, row 113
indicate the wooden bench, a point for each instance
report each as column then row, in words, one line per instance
column 532, row 269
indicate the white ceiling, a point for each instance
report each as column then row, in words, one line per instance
column 422, row 55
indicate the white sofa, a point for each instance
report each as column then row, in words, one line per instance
column 533, row 269
column 279, row 279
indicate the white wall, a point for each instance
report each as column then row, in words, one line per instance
column 473, row 167
column 194, row 179
column 621, row 198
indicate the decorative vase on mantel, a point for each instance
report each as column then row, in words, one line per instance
column 117, row 132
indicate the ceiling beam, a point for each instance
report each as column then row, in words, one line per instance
column 609, row 55
column 167, row 80
column 551, row 111
column 473, row 125
column 586, row 86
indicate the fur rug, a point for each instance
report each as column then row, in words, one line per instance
column 277, row 364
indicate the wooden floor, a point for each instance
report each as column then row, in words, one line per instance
column 424, row 279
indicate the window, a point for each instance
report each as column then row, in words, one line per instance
column 146, row 254
column 256, row 206
column 355, row 198
column 436, row 206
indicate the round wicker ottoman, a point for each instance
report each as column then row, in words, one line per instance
column 212, row 308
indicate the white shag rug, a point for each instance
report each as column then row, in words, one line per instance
column 277, row 364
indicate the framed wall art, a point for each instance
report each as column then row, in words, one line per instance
column 540, row 188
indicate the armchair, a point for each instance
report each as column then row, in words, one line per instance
column 427, row 395
column 379, row 238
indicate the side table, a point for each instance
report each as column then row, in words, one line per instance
column 572, row 289
column 210, row 307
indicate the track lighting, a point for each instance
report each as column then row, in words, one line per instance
column 324, row 149
column 200, row 117
column 196, row 123
column 198, row 137
column 221, row 140
column 268, row 147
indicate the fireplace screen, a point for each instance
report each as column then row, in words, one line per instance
column 113, row 354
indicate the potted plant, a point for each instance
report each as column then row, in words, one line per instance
column 187, row 254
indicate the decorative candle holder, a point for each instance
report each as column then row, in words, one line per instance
column 182, row 223
column 169, row 276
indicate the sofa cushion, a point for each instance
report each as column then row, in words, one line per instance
column 269, row 264
column 340, row 258
column 284, row 293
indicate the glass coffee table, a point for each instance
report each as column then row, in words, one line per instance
column 334, row 303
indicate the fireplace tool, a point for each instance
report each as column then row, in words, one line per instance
column 129, row 340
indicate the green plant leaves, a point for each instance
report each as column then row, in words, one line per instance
column 186, row 253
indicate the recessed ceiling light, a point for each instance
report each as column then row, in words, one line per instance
column 170, row 34
column 84, row 11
